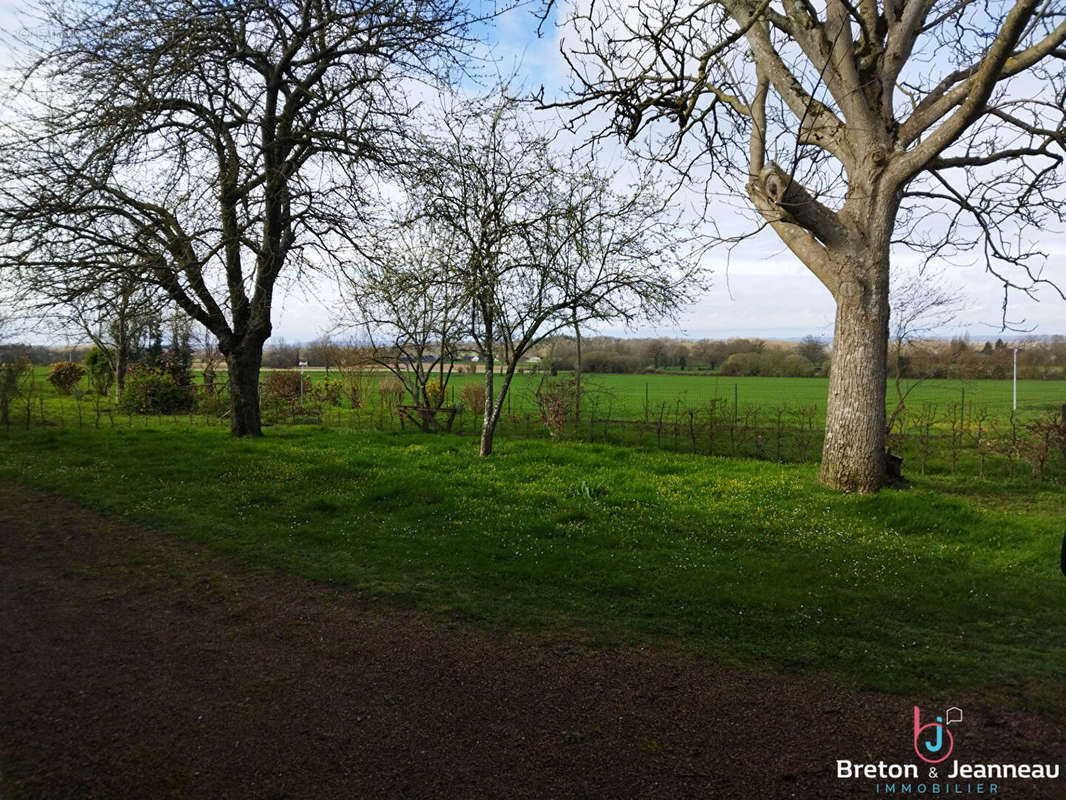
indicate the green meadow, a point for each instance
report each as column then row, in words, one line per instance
column 634, row 397
column 952, row 582
column 626, row 396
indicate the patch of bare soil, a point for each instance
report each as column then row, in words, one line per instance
column 134, row 665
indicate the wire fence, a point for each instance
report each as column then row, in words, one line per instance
column 964, row 438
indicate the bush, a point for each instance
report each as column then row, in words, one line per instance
column 150, row 390
column 557, row 401
column 797, row 366
column 434, row 394
column 356, row 383
column 13, row 376
column 284, row 391
column 609, row 361
column 328, row 392
column 175, row 363
column 473, row 395
column 390, row 393
column 768, row 364
column 99, row 368
column 563, row 364
column 285, row 384
column 213, row 403
column 741, row 364
column 65, row 376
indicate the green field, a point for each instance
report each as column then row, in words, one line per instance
column 629, row 397
column 634, row 397
column 626, row 396
column 952, row 583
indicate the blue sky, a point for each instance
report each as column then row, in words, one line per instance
column 759, row 289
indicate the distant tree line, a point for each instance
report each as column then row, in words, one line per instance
column 40, row 355
column 927, row 358
column 958, row 358
column 1043, row 359
column 735, row 356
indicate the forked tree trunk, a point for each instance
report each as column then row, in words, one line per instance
column 848, row 250
column 488, row 424
column 493, row 410
column 577, row 369
column 853, row 456
column 243, row 365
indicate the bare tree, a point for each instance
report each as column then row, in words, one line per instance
column 410, row 305
column 544, row 245
column 848, row 127
column 215, row 146
column 922, row 303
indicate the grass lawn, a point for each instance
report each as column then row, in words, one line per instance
column 951, row 583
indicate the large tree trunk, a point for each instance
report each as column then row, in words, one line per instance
column 243, row 364
column 853, row 457
column 848, row 251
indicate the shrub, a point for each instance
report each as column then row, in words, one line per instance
column 328, row 392
column 284, row 390
column 99, row 368
column 390, row 393
column 150, row 390
column 797, row 366
column 213, row 402
column 611, row 361
column 772, row 363
column 356, row 383
column 285, row 384
column 741, row 364
column 13, row 375
column 473, row 395
column 65, row 376
column 557, row 401
column 563, row 364
column 434, row 392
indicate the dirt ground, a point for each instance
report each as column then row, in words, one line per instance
column 134, row 665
